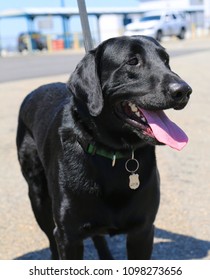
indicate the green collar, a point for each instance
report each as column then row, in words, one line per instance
column 113, row 155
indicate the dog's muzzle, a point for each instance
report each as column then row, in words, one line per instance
column 154, row 124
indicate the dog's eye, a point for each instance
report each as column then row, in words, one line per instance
column 133, row 61
column 166, row 60
column 164, row 57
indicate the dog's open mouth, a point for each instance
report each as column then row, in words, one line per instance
column 154, row 124
column 135, row 117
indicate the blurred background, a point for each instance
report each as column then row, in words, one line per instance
column 41, row 42
column 54, row 25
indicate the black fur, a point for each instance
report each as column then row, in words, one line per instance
column 74, row 194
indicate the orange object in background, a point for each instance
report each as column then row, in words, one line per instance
column 57, row 44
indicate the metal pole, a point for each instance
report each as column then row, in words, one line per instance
column 85, row 25
column 98, row 29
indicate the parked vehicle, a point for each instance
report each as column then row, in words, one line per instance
column 158, row 24
column 35, row 39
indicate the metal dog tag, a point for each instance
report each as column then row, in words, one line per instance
column 134, row 182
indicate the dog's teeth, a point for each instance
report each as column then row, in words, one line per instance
column 138, row 114
column 133, row 107
column 144, row 120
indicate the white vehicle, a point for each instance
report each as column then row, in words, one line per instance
column 158, row 24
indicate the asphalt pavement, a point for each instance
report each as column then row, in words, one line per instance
column 183, row 220
column 41, row 64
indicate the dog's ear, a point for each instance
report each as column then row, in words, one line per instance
column 85, row 85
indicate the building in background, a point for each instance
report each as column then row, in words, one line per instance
column 207, row 14
column 170, row 4
column 163, row 4
column 105, row 22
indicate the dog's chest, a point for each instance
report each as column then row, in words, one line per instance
column 125, row 175
column 104, row 197
column 115, row 178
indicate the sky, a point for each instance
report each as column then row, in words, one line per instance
column 10, row 28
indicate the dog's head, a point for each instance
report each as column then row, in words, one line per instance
column 124, row 85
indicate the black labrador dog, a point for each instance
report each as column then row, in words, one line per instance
column 87, row 149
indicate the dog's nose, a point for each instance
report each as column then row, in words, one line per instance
column 180, row 91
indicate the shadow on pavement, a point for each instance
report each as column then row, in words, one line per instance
column 173, row 246
column 168, row 246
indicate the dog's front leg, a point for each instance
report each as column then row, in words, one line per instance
column 140, row 244
column 69, row 246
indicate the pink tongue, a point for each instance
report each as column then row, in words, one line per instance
column 165, row 131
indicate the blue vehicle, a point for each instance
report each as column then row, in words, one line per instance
column 35, row 39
